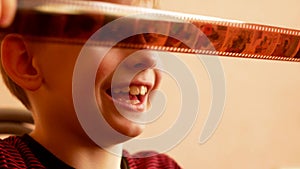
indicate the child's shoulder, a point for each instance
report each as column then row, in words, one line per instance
column 150, row 159
column 14, row 153
column 10, row 144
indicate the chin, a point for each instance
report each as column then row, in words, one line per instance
column 129, row 128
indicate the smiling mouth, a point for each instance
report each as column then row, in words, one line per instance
column 132, row 97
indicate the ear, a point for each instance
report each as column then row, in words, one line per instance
column 19, row 65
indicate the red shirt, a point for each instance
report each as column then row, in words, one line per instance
column 25, row 152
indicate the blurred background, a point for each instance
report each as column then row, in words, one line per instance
column 261, row 119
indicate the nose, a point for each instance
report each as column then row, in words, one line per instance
column 141, row 60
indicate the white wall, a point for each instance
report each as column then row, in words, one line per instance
column 6, row 100
column 261, row 122
column 274, row 12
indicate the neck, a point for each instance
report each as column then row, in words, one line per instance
column 78, row 151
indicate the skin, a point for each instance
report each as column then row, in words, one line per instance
column 7, row 12
column 44, row 71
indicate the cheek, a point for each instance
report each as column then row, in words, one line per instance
column 60, row 72
column 106, row 68
column 158, row 78
column 102, row 73
column 57, row 68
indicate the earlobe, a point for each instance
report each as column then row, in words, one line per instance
column 18, row 63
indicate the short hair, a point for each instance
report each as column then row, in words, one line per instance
column 20, row 94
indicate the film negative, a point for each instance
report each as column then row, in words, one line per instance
column 64, row 21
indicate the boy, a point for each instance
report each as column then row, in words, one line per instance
column 40, row 75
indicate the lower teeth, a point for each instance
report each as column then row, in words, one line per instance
column 134, row 102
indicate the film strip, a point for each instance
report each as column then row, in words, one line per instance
column 64, row 21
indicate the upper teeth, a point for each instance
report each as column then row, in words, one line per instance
column 133, row 90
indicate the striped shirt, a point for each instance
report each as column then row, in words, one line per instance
column 25, row 152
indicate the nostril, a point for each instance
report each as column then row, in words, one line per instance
column 139, row 65
column 144, row 65
column 141, row 60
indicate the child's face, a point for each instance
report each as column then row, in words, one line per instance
column 121, row 87
column 124, row 81
column 122, row 71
